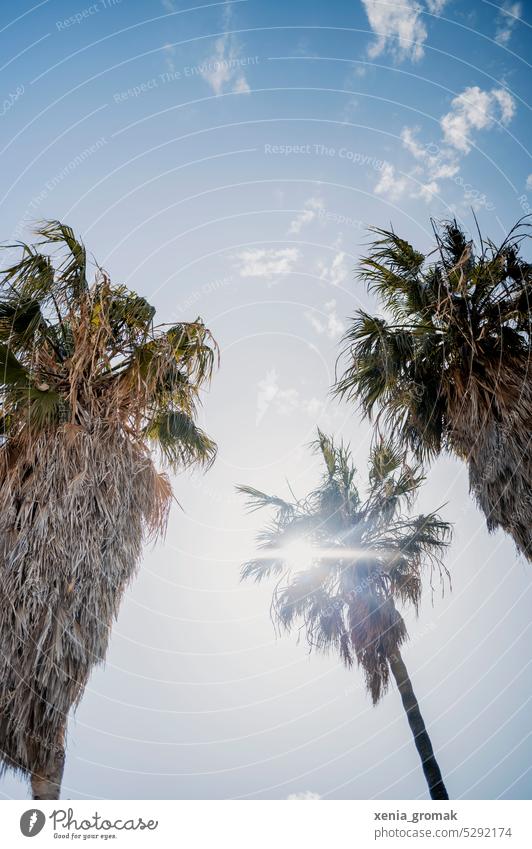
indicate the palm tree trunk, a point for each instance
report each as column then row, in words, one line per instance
column 415, row 720
column 46, row 781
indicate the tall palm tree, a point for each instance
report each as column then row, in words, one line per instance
column 92, row 393
column 343, row 561
column 448, row 366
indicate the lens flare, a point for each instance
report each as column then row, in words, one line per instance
column 299, row 553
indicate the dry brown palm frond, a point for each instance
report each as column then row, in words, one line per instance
column 499, row 455
column 76, row 507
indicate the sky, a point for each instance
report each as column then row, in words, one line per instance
column 225, row 160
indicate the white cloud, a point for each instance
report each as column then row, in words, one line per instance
column 398, row 27
column 439, row 162
column 168, row 5
column 306, row 796
column 327, row 322
column 169, row 53
column 471, row 111
column 529, row 182
column 428, row 190
column 308, row 214
column 352, row 104
column 266, row 391
column 475, row 109
column 336, row 271
column 313, row 406
column 267, row 262
column 241, row 84
column 284, row 402
column 509, row 15
column 389, row 184
column 506, row 104
column 223, row 69
column 408, row 137
column 436, row 7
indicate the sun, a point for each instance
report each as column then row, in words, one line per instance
column 299, row 553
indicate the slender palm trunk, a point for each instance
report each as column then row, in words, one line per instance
column 46, row 781
column 415, row 720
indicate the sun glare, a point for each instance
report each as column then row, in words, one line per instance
column 299, row 553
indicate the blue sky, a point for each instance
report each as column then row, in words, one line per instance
column 225, row 159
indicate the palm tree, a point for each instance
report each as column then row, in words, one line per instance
column 92, row 392
column 343, row 561
column 447, row 365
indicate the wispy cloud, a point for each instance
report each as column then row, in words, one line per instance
column 267, row 262
column 306, row 216
column 439, row 162
column 283, row 401
column 169, row 53
column 436, row 7
column 335, row 271
column 223, row 70
column 327, row 322
column 529, row 182
column 509, row 15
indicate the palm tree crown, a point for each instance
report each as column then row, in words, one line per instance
column 70, row 351
column 91, row 392
column 447, row 365
column 362, row 555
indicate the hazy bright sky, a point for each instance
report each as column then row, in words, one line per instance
column 241, row 192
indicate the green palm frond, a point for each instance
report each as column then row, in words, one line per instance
column 180, row 440
column 129, row 314
column 72, row 275
column 193, row 345
column 32, row 276
column 325, row 445
column 12, row 371
column 385, row 459
column 19, row 321
column 392, row 270
column 44, row 408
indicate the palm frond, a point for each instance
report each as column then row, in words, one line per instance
column 12, row 372
column 73, row 269
column 256, row 500
column 180, row 440
column 259, row 569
